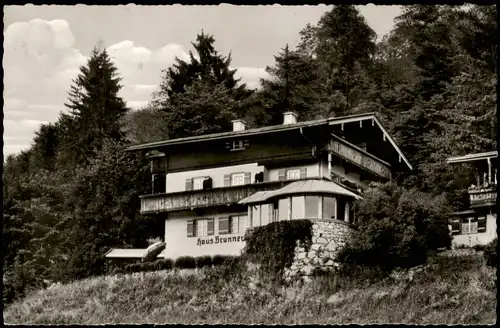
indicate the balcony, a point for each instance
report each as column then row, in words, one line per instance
column 483, row 195
column 187, row 200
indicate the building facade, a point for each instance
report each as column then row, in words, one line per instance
column 210, row 189
column 477, row 225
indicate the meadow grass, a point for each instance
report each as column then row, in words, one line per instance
column 460, row 290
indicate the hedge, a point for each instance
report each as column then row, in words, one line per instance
column 204, row 261
column 273, row 245
column 185, row 262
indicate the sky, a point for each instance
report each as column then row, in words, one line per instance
column 44, row 47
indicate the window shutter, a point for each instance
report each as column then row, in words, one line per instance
column 281, row 175
column 481, row 224
column 455, row 227
column 303, row 172
column 190, row 228
column 210, row 227
column 223, row 226
column 189, row 184
column 248, row 178
column 227, row 180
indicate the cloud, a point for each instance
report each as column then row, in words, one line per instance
column 40, row 62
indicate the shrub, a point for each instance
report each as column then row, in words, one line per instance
column 221, row 259
column 203, row 261
column 397, row 228
column 164, row 264
column 490, row 253
column 273, row 245
column 185, row 262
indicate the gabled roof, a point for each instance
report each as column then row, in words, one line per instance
column 230, row 134
column 473, row 157
column 273, row 129
column 375, row 120
column 301, row 187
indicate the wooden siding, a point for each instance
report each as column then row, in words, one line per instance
column 214, row 154
column 360, row 158
column 203, row 198
column 482, row 196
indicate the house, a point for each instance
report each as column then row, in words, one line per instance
column 209, row 189
column 477, row 225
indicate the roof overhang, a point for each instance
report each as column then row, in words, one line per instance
column 473, row 157
column 129, row 253
column 225, row 135
column 373, row 117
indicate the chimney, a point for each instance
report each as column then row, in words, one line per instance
column 239, row 125
column 289, row 118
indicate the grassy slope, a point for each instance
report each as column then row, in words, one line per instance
column 451, row 291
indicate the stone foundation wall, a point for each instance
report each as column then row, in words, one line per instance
column 328, row 238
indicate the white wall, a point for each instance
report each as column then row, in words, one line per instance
column 481, row 238
column 179, row 244
column 177, row 181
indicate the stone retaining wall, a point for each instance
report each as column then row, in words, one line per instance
column 328, row 237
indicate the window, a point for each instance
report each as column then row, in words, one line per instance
column 293, row 174
column 283, row 207
column 198, row 183
column 469, row 226
column 346, row 212
column 237, row 179
column 239, row 223
column 297, row 207
column 481, row 223
column 329, row 207
column 223, row 226
column 200, row 228
column 256, row 215
column 312, row 208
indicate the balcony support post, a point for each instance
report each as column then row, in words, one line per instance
column 489, row 170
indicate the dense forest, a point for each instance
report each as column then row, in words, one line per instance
column 74, row 193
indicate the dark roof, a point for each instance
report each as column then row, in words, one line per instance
column 272, row 129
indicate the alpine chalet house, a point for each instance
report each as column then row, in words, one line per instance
column 209, row 189
column 477, row 225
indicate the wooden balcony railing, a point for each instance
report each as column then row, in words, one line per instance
column 483, row 195
column 192, row 199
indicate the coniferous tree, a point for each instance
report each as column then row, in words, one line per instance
column 342, row 44
column 208, row 73
column 95, row 109
column 293, row 85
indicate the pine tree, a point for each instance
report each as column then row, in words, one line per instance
column 209, row 74
column 293, row 85
column 343, row 45
column 207, row 65
column 95, row 109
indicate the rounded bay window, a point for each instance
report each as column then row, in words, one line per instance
column 309, row 199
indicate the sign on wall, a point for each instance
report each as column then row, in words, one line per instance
column 219, row 240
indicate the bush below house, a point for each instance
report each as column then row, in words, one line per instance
column 273, row 246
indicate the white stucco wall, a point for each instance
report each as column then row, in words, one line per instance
column 177, row 181
column 179, row 244
column 481, row 238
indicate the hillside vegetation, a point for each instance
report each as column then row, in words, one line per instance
column 448, row 290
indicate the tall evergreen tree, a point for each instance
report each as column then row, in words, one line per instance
column 95, row 109
column 293, row 85
column 343, row 45
column 207, row 64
